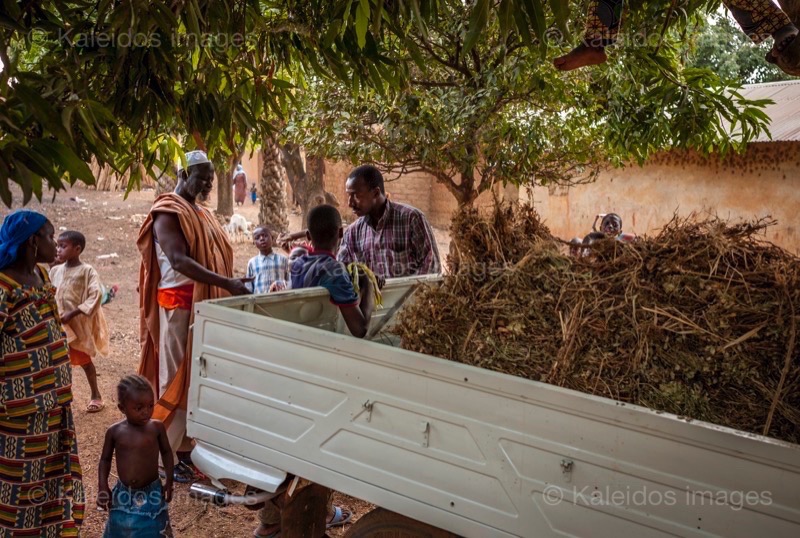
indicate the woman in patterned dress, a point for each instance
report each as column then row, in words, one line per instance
column 41, row 493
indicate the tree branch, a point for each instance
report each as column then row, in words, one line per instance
column 433, row 84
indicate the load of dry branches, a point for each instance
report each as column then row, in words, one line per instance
column 699, row 321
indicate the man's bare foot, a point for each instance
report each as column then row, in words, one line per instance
column 581, row 56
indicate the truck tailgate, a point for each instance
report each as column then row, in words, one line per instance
column 468, row 450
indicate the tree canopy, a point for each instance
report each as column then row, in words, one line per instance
column 133, row 83
column 481, row 110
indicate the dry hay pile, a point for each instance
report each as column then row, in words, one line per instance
column 700, row 321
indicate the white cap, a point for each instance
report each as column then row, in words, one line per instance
column 194, row 157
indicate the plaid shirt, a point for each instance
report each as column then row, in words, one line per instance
column 266, row 270
column 400, row 244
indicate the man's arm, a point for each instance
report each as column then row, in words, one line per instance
column 172, row 241
column 425, row 252
column 346, row 253
column 285, row 241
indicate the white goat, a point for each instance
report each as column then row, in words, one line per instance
column 237, row 229
column 138, row 218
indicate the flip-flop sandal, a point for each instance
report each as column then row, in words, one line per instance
column 95, row 406
column 339, row 517
column 183, row 474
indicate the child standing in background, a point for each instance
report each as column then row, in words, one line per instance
column 253, row 194
column 78, row 295
column 138, row 504
column 269, row 269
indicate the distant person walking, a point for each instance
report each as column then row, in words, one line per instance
column 239, row 185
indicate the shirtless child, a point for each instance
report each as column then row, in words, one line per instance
column 138, row 503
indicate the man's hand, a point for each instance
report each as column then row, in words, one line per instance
column 166, row 491
column 238, row 286
column 104, row 499
column 285, row 242
column 278, row 285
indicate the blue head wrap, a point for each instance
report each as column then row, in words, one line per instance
column 17, row 228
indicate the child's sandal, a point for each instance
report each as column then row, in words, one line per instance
column 183, row 474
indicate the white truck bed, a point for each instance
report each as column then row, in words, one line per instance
column 275, row 390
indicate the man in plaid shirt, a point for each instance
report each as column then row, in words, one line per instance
column 392, row 239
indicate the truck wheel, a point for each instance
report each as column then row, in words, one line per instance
column 382, row 523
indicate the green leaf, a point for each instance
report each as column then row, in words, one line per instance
column 67, row 160
column 561, row 11
column 535, row 12
column 40, row 166
column 331, row 34
column 362, row 22
column 25, row 179
column 477, row 22
column 42, row 111
column 505, row 15
column 5, row 191
column 377, row 19
column 523, row 26
column 419, row 20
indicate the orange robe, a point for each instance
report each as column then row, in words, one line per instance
column 208, row 246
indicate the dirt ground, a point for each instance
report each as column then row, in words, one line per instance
column 105, row 218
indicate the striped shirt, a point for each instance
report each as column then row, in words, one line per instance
column 266, row 270
column 401, row 243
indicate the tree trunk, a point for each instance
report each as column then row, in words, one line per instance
column 224, row 169
column 273, row 211
column 307, row 181
column 295, row 170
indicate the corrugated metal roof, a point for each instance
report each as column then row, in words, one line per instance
column 784, row 113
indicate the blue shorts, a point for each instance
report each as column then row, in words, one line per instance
column 137, row 513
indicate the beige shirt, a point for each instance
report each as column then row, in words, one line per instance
column 79, row 287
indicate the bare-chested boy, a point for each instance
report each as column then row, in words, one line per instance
column 138, row 503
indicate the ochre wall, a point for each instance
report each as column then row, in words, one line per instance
column 417, row 189
column 763, row 181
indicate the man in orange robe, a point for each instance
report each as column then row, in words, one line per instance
column 186, row 258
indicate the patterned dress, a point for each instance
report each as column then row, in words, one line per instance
column 41, row 493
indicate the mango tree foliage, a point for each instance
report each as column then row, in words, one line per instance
column 133, row 83
column 488, row 108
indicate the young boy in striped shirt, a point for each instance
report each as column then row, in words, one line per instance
column 269, row 269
